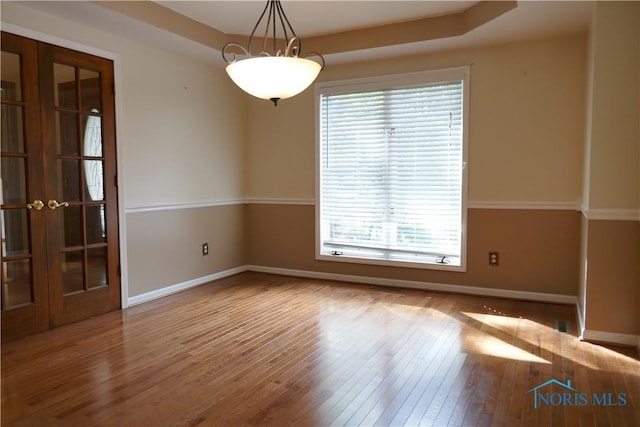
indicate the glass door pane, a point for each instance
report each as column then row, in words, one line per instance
column 83, row 205
column 16, row 252
column 23, row 294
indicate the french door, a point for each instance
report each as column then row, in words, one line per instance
column 59, row 213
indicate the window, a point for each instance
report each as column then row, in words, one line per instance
column 391, row 179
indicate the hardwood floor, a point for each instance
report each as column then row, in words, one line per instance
column 258, row 349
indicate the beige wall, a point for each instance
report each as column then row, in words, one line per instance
column 183, row 132
column 613, row 276
column 180, row 122
column 525, row 147
column 538, row 250
column 614, row 169
column 165, row 247
column 610, row 284
column 526, row 123
column 181, row 141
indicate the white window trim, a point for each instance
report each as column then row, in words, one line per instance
column 382, row 82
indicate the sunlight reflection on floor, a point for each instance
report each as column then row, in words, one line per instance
column 486, row 344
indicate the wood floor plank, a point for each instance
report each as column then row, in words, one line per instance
column 258, row 349
column 386, row 404
column 441, row 342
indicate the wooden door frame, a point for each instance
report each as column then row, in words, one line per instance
column 117, row 79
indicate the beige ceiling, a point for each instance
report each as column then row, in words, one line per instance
column 341, row 30
column 309, row 17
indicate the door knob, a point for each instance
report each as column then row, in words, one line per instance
column 37, row 205
column 53, row 204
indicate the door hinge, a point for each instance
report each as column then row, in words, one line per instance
column 115, row 180
column 119, row 271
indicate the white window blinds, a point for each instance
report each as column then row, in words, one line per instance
column 391, row 173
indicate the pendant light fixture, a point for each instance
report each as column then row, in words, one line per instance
column 278, row 73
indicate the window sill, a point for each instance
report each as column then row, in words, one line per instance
column 461, row 268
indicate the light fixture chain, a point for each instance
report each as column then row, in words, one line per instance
column 283, row 20
column 255, row 27
column 265, row 39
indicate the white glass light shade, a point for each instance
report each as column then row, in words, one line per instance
column 273, row 77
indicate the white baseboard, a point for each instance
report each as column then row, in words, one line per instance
column 611, row 338
column 440, row 287
column 585, row 334
column 159, row 293
column 471, row 290
column 605, row 337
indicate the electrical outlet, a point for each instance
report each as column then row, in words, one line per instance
column 205, row 249
column 494, row 258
